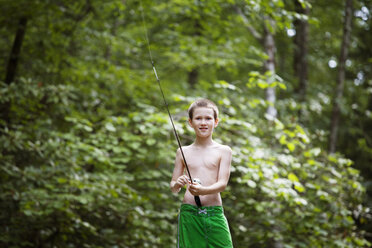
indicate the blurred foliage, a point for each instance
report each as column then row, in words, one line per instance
column 87, row 153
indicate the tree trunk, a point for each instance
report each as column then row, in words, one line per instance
column 269, row 66
column 12, row 66
column 300, row 51
column 341, row 76
column 114, row 28
column 16, row 49
column 269, row 45
column 193, row 77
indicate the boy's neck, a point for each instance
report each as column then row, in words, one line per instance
column 203, row 142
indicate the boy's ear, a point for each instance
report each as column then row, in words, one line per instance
column 216, row 121
column 190, row 122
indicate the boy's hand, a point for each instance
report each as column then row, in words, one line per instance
column 195, row 189
column 182, row 181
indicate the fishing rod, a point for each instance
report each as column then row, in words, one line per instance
column 196, row 198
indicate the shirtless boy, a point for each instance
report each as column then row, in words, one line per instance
column 208, row 161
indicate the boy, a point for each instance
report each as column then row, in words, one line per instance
column 204, row 227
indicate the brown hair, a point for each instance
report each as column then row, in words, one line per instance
column 203, row 102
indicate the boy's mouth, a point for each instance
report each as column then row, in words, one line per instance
column 203, row 128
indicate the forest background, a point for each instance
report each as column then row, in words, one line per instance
column 87, row 149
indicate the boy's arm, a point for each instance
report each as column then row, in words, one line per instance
column 178, row 178
column 223, row 176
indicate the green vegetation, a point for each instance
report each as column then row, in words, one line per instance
column 87, row 149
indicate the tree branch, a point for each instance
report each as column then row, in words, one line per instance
column 250, row 28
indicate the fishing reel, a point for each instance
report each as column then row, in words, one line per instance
column 196, row 180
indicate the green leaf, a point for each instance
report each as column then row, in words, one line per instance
column 110, row 127
column 150, row 142
column 292, row 177
column 291, row 146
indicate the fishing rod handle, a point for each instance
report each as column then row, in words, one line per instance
column 197, row 201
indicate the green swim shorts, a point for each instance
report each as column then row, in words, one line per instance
column 204, row 227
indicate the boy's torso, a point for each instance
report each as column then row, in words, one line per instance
column 204, row 164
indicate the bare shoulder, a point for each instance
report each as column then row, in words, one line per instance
column 184, row 148
column 223, row 148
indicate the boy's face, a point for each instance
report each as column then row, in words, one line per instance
column 203, row 121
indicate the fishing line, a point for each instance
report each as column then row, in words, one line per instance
column 196, row 198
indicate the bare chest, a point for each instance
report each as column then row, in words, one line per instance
column 204, row 161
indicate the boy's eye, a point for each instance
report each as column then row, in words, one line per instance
column 200, row 118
